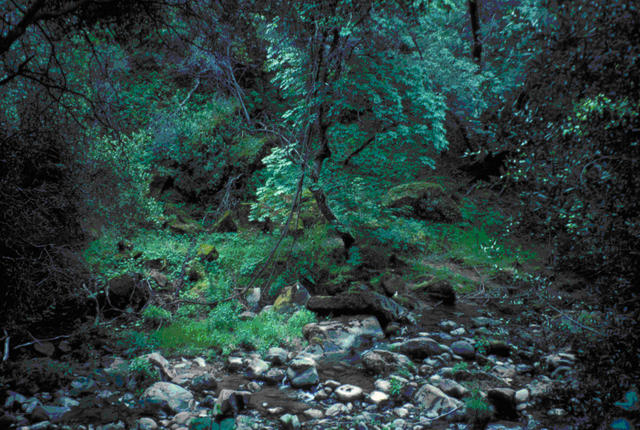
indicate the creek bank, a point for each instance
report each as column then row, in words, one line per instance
column 463, row 370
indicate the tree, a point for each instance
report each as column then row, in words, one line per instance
column 364, row 102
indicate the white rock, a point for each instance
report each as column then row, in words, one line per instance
column 348, row 393
column 522, row 395
column 378, row 397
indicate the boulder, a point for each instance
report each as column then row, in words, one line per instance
column 426, row 200
column 166, row 395
column 361, row 302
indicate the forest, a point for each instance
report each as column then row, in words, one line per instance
column 329, row 214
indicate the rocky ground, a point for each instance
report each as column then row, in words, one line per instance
column 457, row 366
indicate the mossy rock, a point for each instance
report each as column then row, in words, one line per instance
column 207, row 252
column 429, row 201
column 180, row 221
column 291, row 297
column 225, row 224
column 185, row 228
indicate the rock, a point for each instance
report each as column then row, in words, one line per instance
column 439, row 290
column 460, row 331
column 562, row 359
column 161, row 363
column 361, row 302
column 378, row 398
column 247, row 315
column 82, row 385
column 232, row 401
column 348, row 393
column 505, row 371
column 14, row 401
column 302, row 372
column 503, row 399
column 253, row 299
column 335, row 410
column 67, row 402
column 235, row 364
column 418, row 347
column 556, row 412
column 290, row 422
column 399, row 424
column 435, row 402
column 277, row 356
column 207, row 252
column 160, row 279
column 314, row 414
column 146, row 423
column 273, row 376
column 540, row 387
column 392, row 284
column 464, row 349
column 484, row 322
column 498, row 347
column 358, row 332
column 380, row 361
column 383, row 385
column 127, row 291
column 401, row 412
column 166, row 395
column 45, row 348
column 448, row 325
column 427, row 201
column 522, row 396
column 43, row 425
column 257, row 367
column 204, row 382
column 291, row 297
column 452, row 388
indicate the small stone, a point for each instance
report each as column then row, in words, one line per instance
column 401, row 412
column 557, row 412
column 378, row 398
column 484, row 322
column 503, row 399
column 200, row 361
column 235, row 364
column 464, row 349
column 277, row 356
column 290, row 422
column 253, row 386
column 182, row 418
column 458, row 332
column 522, row 395
column 448, row 325
column 232, row 401
column 348, row 393
column 314, row 414
column 382, row 385
column 337, row 409
column 452, row 388
column 257, row 367
column 273, row 376
column 321, row 395
column 146, row 423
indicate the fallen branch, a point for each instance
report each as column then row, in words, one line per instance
column 22, row 345
column 6, row 338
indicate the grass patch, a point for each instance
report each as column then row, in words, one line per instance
column 222, row 331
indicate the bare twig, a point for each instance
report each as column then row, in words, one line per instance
column 22, row 345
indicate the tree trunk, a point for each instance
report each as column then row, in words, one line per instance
column 475, row 31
